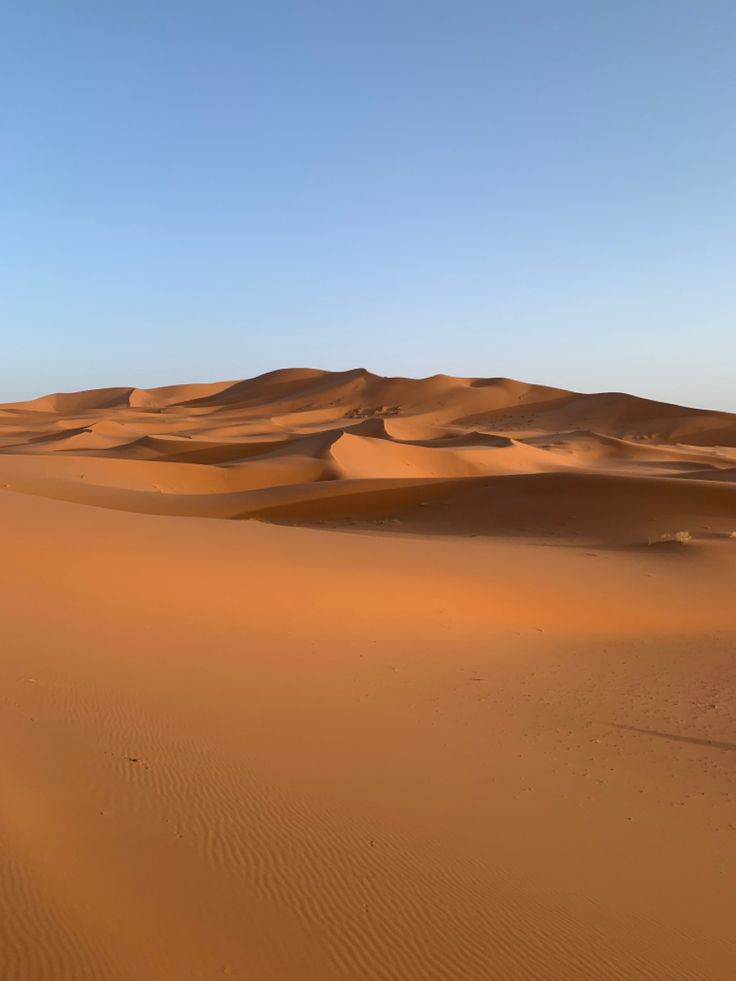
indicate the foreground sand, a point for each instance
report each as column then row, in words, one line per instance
column 472, row 726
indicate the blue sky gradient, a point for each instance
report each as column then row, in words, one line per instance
column 544, row 189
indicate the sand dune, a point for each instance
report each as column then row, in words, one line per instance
column 463, row 723
column 201, row 449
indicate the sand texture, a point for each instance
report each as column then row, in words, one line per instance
column 444, row 699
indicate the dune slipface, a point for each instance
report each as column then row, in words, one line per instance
column 448, row 696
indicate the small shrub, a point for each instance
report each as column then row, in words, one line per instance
column 675, row 537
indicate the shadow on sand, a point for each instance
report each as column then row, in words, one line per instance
column 693, row 740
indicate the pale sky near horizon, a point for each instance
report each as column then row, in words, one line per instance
column 542, row 189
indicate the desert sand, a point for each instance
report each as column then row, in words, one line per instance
column 324, row 676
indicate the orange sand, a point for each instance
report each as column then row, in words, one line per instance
column 440, row 713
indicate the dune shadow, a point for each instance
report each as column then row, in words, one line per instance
column 693, row 740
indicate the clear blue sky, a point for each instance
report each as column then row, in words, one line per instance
column 544, row 189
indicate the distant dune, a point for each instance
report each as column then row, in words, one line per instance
column 471, row 720
column 306, row 446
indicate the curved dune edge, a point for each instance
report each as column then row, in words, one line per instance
column 561, row 507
